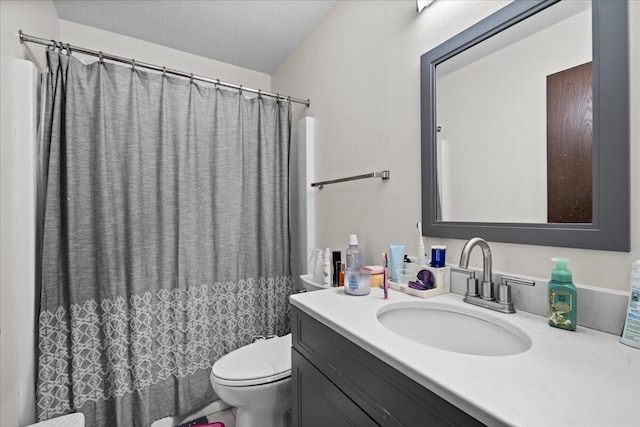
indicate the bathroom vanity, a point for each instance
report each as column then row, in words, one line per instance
column 348, row 368
column 335, row 382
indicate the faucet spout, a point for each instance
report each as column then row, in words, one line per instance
column 486, row 257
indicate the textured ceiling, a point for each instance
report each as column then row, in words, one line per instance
column 254, row 34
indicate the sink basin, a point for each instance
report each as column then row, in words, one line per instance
column 455, row 329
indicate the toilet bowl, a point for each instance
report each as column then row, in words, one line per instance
column 256, row 379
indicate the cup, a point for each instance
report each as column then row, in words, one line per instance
column 405, row 276
column 357, row 281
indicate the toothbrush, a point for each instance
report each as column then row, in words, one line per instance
column 385, row 276
column 422, row 258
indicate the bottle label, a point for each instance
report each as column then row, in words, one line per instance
column 353, row 282
column 560, row 304
column 631, row 331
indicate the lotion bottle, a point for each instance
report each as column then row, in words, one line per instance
column 563, row 303
column 631, row 332
column 327, row 268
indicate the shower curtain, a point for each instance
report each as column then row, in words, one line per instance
column 165, row 242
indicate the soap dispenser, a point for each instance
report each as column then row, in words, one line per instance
column 563, row 303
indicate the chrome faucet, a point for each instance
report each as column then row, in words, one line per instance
column 486, row 297
column 487, row 284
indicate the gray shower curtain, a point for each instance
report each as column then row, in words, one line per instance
column 165, row 242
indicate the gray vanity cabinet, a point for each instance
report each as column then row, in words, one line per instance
column 337, row 383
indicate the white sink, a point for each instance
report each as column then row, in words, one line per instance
column 455, row 329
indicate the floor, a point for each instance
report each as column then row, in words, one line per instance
column 228, row 417
column 215, row 411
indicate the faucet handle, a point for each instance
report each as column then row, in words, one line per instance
column 470, row 272
column 472, row 282
column 504, row 290
column 472, row 286
column 505, row 280
column 504, row 293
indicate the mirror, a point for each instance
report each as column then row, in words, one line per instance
column 500, row 159
column 528, row 109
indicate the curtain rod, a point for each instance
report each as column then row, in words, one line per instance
column 70, row 48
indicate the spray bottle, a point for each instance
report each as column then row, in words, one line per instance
column 318, row 270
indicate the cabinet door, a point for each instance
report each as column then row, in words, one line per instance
column 319, row 402
column 387, row 396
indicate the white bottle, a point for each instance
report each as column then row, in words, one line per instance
column 326, row 270
column 631, row 332
column 318, row 269
column 354, row 254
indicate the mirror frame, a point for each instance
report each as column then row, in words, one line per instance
column 610, row 229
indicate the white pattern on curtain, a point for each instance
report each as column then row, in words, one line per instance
column 166, row 239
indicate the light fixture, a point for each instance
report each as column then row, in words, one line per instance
column 421, row 4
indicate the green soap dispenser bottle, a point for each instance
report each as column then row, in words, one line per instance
column 562, row 297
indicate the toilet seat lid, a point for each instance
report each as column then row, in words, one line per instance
column 258, row 363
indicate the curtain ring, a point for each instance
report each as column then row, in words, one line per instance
column 289, row 99
column 277, row 97
column 217, row 83
column 52, row 47
column 133, row 65
column 240, row 89
column 100, row 58
column 68, row 47
column 259, row 93
column 164, row 71
column 191, row 78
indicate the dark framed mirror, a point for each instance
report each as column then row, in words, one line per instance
column 499, row 157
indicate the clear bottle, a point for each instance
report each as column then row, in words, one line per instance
column 354, row 254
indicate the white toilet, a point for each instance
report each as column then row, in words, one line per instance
column 256, row 378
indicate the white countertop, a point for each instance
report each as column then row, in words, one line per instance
column 582, row 378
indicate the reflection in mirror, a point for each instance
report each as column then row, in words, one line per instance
column 506, row 164
column 514, row 120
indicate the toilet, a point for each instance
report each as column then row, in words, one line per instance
column 256, row 378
